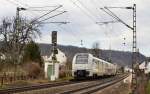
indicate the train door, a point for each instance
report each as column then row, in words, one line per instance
column 103, row 65
column 106, row 69
column 94, row 67
column 98, row 71
column 101, row 68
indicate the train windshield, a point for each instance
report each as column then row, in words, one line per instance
column 82, row 59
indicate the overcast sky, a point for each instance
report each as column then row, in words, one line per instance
column 83, row 15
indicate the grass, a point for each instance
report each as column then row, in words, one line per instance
column 148, row 88
column 3, row 87
column 66, row 78
column 33, row 82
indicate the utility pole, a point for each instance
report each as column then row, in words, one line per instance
column 17, row 25
column 16, row 44
column 135, row 64
column 81, row 43
column 18, row 31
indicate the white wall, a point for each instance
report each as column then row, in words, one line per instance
column 61, row 57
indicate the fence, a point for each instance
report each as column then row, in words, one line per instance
column 8, row 78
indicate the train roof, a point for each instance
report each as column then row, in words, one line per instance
column 102, row 60
column 83, row 54
column 95, row 58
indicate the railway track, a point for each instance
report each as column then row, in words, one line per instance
column 39, row 86
column 88, row 86
column 34, row 87
column 96, row 87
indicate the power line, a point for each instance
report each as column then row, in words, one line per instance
column 97, row 8
column 74, row 33
column 19, row 4
column 64, row 29
column 53, row 16
column 106, row 22
column 109, row 14
column 41, row 10
column 115, row 16
column 69, row 26
column 86, row 8
column 49, row 12
column 75, row 37
column 22, row 3
column 96, row 3
column 85, row 12
column 13, row 3
column 43, row 7
column 100, row 4
column 55, row 22
column 89, row 16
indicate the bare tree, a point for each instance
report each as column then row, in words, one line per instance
column 15, row 35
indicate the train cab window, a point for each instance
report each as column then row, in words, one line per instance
column 93, row 60
column 82, row 59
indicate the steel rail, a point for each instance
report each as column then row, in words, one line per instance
column 108, row 83
column 35, row 87
column 105, row 85
column 47, row 85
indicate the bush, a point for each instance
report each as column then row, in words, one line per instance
column 33, row 69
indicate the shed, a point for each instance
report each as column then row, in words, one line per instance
column 50, row 68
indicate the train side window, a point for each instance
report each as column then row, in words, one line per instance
column 107, row 65
column 97, row 62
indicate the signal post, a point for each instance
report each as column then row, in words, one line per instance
column 55, row 65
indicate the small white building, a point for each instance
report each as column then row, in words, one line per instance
column 145, row 66
column 127, row 69
column 61, row 57
column 147, row 69
column 142, row 66
column 52, row 69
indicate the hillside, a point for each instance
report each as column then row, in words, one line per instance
column 119, row 57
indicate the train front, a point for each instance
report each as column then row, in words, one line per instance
column 80, row 65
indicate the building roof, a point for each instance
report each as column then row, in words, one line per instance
column 142, row 65
column 61, row 57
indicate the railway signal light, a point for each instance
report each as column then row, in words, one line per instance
column 54, row 38
column 54, row 42
column 54, row 58
column 55, row 51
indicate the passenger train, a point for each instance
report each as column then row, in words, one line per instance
column 86, row 65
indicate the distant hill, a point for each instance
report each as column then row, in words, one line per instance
column 119, row 57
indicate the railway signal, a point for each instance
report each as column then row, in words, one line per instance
column 54, row 52
column 54, row 44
